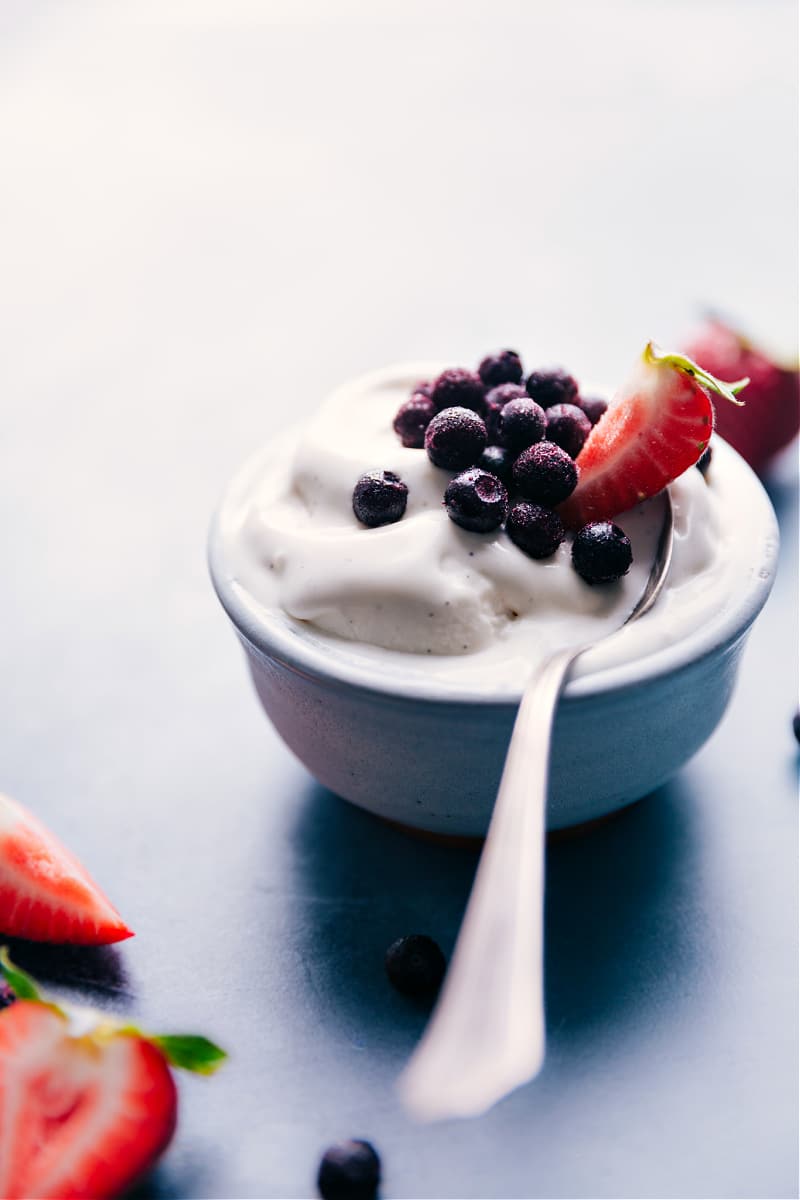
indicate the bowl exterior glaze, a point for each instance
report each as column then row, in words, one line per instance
column 436, row 765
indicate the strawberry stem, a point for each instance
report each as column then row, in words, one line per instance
column 20, row 982
column 710, row 382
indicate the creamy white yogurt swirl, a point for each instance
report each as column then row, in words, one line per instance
column 424, row 597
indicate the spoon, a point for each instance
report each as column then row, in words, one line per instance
column 486, row 1036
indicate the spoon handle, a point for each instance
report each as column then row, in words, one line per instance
column 486, row 1036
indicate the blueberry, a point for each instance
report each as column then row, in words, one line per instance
column 593, row 406
column 423, row 388
column 476, row 500
column 601, row 552
column 568, row 426
column 499, row 461
column 552, row 386
column 545, row 473
column 7, row 994
column 796, row 724
column 520, row 424
column 503, row 367
column 495, row 401
column 536, row 530
column 704, row 461
column 415, row 965
column 349, row 1170
column 412, row 419
column 458, row 388
column 455, row 439
column 379, row 498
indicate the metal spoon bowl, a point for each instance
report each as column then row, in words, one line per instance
column 486, row 1036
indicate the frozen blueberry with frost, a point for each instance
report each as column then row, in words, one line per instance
column 455, row 439
column 568, row 426
column 412, row 419
column 458, row 388
column 593, row 406
column 520, row 424
column 379, row 498
column 503, row 367
column 349, row 1170
column 476, row 500
column 499, row 461
column 415, row 965
column 496, row 400
column 536, row 530
column 601, row 552
column 550, row 386
column 545, row 474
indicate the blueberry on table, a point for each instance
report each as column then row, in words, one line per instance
column 568, row 426
column 379, row 498
column 503, row 367
column 593, row 406
column 499, row 461
column 495, row 400
column 535, row 530
column 458, row 388
column 455, row 439
column 415, row 965
column 601, row 552
column 545, row 474
column 476, row 500
column 349, row 1170
column 552, row 386
column 412, row 419
column 520, row 424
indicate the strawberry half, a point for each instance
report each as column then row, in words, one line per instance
column 45, row 893
column 655, row 428
column 83, row 1112
column 772, row 416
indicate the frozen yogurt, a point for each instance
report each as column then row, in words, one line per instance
column 426, row 598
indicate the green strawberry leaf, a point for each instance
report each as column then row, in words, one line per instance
column 20, row 982
column 729, row 390
column 190, row 1051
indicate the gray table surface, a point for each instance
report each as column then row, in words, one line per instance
column 210, row 214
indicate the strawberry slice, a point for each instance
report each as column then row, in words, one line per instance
column 656, row 427
column 45, row 893
column 83, row 1113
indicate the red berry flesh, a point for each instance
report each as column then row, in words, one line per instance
column 458, row 388
column 455, row 439
column 601, row 552
column 568, row 426
column 537, row 531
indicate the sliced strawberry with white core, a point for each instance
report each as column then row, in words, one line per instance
column 656, row 427
column 82, row 1115
column 45, row 893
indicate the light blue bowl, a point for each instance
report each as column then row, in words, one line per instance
column 412, row 753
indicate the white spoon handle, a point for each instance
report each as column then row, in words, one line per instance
column 486, row 1036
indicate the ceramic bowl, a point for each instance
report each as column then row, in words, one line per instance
column 415, row 754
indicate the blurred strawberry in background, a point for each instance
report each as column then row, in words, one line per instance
column 770, row 417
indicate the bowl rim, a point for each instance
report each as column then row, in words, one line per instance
column 276, row 637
